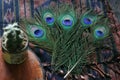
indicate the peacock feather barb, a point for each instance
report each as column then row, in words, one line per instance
column 70, row 37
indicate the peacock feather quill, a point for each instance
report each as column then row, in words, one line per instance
column 69, row 37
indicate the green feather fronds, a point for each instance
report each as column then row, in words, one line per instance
column 69, row 37
column 71, row 50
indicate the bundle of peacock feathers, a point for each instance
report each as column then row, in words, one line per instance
column 69, row 36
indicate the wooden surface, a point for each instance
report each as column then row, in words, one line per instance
column 29, row 70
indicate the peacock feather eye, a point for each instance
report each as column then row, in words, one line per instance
column 88, row 19
column 49, row 18
column 37, row 31
column 67, row 21
column 100, row 32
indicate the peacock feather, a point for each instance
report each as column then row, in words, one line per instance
column 69, row 37
column 38, row 33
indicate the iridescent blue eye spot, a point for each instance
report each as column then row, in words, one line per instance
column 38, row 33
column 87, row 21
column 67, row 22
column 49, row 20
column 99, row 33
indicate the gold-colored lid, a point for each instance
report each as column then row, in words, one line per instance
column 14, row 44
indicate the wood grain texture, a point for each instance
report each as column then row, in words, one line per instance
column 29, row 70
